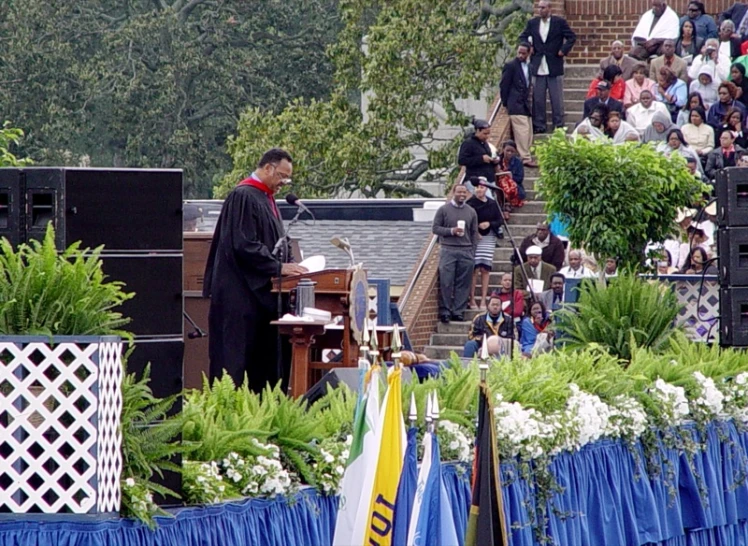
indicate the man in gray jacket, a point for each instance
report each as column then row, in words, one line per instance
column 456, row 224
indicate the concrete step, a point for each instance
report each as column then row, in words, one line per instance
column 580, row 71
column 522, row 217
column 531, row 207
column 449, row 340
column 442, row 353
column 455, row 327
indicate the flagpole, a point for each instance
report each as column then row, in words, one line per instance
column 413, row 412
column 484, row 360
column 374, row 344
column 396, row 347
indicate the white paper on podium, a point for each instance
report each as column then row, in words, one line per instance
column 536, row 285
column 314, row 263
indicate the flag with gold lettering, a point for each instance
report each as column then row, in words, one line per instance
column 379, row 517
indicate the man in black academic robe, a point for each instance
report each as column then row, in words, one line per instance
column 238, row 277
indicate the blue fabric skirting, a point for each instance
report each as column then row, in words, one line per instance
column 608, row 499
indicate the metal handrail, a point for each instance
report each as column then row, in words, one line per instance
column 432, row 244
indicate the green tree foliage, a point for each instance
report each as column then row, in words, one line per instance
column 10, row 137
column 404, row 57
column 626, row 313
column 156, row 83
column 614, row 198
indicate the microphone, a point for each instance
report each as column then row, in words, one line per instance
column 489, row 185
column 342, row 244
column 291, row 199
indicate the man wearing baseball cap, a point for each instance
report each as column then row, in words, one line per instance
column 603, row 97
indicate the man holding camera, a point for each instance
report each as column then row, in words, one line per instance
column 711, row 56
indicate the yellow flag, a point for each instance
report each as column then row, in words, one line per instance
column 389, row 466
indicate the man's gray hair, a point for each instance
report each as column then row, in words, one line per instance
column 727, row 23
column 617, row 42
column 713, row 42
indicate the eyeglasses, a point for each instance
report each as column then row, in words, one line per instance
column 596, row 118
column 284, row 178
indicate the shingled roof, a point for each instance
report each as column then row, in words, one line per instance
column 388, row 249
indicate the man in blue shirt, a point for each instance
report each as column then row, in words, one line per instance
column 703, row 24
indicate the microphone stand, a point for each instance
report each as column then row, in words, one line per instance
column 197, row 332
column 280, row 253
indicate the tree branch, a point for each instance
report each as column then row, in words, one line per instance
column 185, row 12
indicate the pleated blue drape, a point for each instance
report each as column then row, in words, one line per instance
column 607, row 499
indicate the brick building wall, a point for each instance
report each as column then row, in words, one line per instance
column 421, row 312
column 598, row 23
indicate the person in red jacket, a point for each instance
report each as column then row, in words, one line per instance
column 505, row 294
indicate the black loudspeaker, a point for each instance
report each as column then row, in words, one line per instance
column 165, row 357
column 122, row 209
column 734, row 316
column 338, row 376
column 732, row 197
column 732, row 244
column 156, row 279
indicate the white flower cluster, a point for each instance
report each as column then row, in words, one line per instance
column 261, row 475
column 736, row 398
column 711, row 400
column 140, row 498
column 203, row 482
column 672, row 401
column 329, row 469
column 521, row 431
column 454, row 442
column 587, row 419
column 629, row 418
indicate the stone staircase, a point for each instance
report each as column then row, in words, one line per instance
column 451, row 337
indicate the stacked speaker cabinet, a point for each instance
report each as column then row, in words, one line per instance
column 732, row 241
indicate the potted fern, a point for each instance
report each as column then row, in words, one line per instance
column 60, row 379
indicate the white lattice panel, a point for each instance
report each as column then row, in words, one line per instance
column 59, row 419
column 700, row 324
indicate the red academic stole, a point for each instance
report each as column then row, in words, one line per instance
column 263, row 188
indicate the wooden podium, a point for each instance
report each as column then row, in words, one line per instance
column 331, row 293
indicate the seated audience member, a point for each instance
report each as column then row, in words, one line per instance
column 726, row 93
column 675, row 143
column 671, row 91
column 665, row 264
column 534, row 273
column 655, row 26
column 611, row 267
column 737, row 76
column 553, row 298
column 733, row 121
column 603, row 97
column 639, row 82
column 688, row 44
column 670, row 60
column 684, row 116
column 729, row 45
column 509, row 161
column 506, row 294
column 742, row 160
column 553, row 251
column 533, row 326
column 617, row 58
column 735, row 14
column 657, row 130
column 696, row 169
column 621, row 131
column 705, row 86
column 614, row 77
column 575, row 269
column 695, row 263
column 704, row 25
column 593, row 127
column 698, row 133
column 722, row 156
column 491, row 323
column 514, row 192
column 710, row 56
column 640, row 115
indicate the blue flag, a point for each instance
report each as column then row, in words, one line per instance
column 432, row 520
column 406, row 490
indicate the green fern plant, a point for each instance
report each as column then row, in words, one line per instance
column 627, row 311
column 44, row 292
column 149, row 439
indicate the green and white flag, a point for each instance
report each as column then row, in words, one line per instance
column 357, row 481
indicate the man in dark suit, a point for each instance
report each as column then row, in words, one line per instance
column 603, row 97
column 738, row 14
column 551, row 39
column 534, row 274
column 553, row 298
column 728, row 44
column 515, row 97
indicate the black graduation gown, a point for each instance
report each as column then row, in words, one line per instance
column 238, row 281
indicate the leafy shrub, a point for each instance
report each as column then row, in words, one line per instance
column 43, row 292
column 627, row 312
column 614, row 198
